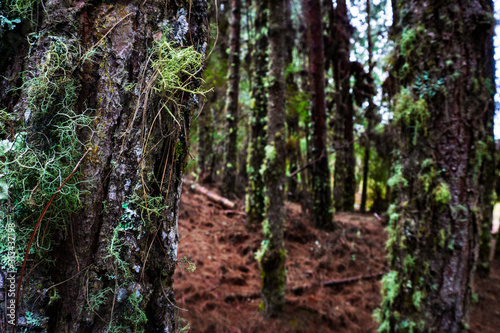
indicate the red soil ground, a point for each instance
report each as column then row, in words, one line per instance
column 222, row 294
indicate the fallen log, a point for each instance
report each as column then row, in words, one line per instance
column 226, row 203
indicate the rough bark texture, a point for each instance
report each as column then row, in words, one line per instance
column 256, row 153
column 343, row 125
column 272, row 254
column 444, row 111
column 320, row 173
column 292, row 114
column 488, row 178
column 108, row 264
column 229, row 178
column 369, row 113
column 211, row 118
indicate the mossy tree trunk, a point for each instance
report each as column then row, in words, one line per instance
column 272, row 254
column 320, row 172
column 212, row 117
column 254, row 202
column 369, row 115
column 343, row 125
column 206, row 139
column 292, row 113
column 444, row 110
column 488, row 178
column 232, row 97
column 98, row 77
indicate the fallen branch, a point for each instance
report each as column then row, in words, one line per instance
column 332, row 283
column 236, row 212
column 299, row 290
column 226, row 203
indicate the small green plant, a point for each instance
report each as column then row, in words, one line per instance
column 190, row 266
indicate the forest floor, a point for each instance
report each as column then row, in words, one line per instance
column 222, row 294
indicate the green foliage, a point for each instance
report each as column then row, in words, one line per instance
column 408, row 40
column 191, row 267
column 397, row 178
column 426, row 88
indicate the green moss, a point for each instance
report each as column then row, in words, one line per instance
column 390, row 287
column 417, row 299
column 264, row 247
column 411, row 112
column 410, row 37
column 397, row 177
column 442, row 194
column 408, row 263
column 179, row 149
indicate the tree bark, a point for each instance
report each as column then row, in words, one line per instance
column 444, row 110
column 369, row 113
column 344, row 177
column 229, row 178
column 94, row 78
column 272, row 254
column 320, row 172
column 292, row 114
column 254, row 202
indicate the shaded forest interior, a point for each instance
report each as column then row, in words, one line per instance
column 366, row 133
column 248, row 166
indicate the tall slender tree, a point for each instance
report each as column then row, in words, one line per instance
column 232, row 97
column 444, row 62
column 343, row 125
column 320, row 173
column 292, row 112
column 369, row 115
column 217, row 69
column 272, row 254
column 254, row 202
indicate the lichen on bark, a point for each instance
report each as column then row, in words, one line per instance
column 114, row 255
column 444, row 111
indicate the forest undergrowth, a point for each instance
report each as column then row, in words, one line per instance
column 223, row 293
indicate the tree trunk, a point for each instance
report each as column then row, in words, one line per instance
column 444, row 110
column 205, row 140
column 110, row 80
column 292, row 114
column 369, row 113
column 344, row 177
column 229, row 178
column 272, row 254
column 254, row 202
column 320, row 173
column 488, row 173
